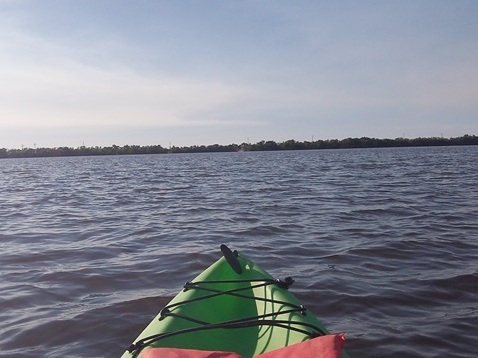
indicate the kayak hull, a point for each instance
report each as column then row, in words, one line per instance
column 235, row 306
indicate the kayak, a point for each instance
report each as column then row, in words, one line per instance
column 234, row 306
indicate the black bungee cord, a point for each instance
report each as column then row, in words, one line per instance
column 256, row 321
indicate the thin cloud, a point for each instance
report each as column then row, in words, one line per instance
column 55, row 89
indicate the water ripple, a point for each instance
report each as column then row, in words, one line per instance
column 382, row 243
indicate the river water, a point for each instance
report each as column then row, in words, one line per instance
column 382, row 243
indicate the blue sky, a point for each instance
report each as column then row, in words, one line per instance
column 99, row 72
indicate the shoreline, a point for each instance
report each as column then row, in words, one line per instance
column 291, row 144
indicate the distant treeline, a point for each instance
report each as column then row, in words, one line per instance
column 291, row 144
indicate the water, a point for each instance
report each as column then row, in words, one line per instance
column 383, row 243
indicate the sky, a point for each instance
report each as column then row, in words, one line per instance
column 202, row 72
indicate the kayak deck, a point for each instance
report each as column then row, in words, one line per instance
column 234, row 305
